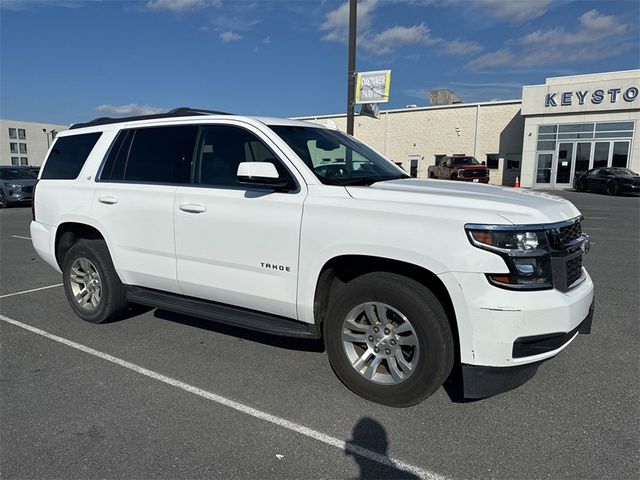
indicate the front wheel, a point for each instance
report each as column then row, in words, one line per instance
column 388, row 339
column 580, row 186
column 612, row 188
column 3, row 200
column 91, row 283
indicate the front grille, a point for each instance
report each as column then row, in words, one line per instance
column 574, row 270
column 28, row 189
column 472, row 173
column 561, row 237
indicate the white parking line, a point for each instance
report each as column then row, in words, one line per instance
column 21, row 237
column 314, row 434
column 32, row 290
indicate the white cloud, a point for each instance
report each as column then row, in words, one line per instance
column 129, row 109
column 336, row 22
column 492, row 59
column 462, row 47
column 396, row 37
column 593, row 27
column 229, row 36
column 515, row 10
column 266, row 40
column 181, row 5
column 17, row 5
column 559, row 46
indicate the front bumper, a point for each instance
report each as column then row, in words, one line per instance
column 491, row 319
column 629, row 188
column 479, row 381
column 474, row 179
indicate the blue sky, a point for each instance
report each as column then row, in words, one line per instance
column 66, row 61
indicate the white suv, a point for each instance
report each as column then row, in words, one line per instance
column 293, row 228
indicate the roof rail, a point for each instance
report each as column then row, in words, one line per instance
column 176, row 112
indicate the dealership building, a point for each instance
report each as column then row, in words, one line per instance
column 555, row 132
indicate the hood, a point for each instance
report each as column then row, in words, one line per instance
column 513, row 205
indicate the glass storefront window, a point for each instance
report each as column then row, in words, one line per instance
column 614, row 126
column 547, row 145
column 565, row 154
column 543, row 175
column 620, row 154
column 577, row 127
column 601, row 154
column 583, row 154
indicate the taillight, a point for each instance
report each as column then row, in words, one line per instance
column 33, row 202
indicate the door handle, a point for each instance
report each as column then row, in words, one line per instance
column 193, row 208
column 107, row 200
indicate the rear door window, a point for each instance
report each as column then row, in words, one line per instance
column 151, row 155
column 68, row 156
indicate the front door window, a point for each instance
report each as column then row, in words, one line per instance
column 565, row 154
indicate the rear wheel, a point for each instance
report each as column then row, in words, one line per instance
column 580, row 186
column 612, row 188
column 3, row 200
column 388, row 339
column 91, row 283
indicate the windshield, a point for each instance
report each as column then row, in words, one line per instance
column 465, row 161
column 15, row 174
column 336, row 158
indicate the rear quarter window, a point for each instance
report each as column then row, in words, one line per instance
column 68, row 155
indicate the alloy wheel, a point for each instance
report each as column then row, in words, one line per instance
column 85, row 284
column 380, row 343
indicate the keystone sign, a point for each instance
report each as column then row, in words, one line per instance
column 583, row 95
column 596, row 97
column 373, row 87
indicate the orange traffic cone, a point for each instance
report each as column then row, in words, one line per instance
column 516, row 184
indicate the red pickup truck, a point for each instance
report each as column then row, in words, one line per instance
column 466, row 169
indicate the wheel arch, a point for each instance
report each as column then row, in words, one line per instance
column 339, row 270
column 68, row 234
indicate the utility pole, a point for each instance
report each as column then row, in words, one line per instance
column 351, row 75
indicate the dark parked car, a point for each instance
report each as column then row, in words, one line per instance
column 16, row 185
column 612, row 180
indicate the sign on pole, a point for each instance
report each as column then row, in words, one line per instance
column 373, row 87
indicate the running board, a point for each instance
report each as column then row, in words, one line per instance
column 218, row 312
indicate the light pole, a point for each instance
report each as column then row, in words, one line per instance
column 46, row 134
column 351, row 74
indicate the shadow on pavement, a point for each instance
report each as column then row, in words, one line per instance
column 288, row 343
column 371, row 435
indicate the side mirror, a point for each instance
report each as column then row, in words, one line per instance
column 483, row 163
column 260, row 174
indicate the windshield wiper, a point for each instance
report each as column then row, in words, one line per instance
column 366, row 181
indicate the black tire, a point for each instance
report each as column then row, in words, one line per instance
column 428, row 319
column 580, row 186
column 3, row 200
column 432, row 175
column 113, row 298
column 612, row 188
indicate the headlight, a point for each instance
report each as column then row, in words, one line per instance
column 12, row 185
column 525, row 251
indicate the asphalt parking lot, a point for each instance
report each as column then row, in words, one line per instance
column 160, row 395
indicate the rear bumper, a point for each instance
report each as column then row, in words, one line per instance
column 43, row 240
column 481, row 381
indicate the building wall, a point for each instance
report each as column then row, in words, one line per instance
column 472, row 129
column 36, row 140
